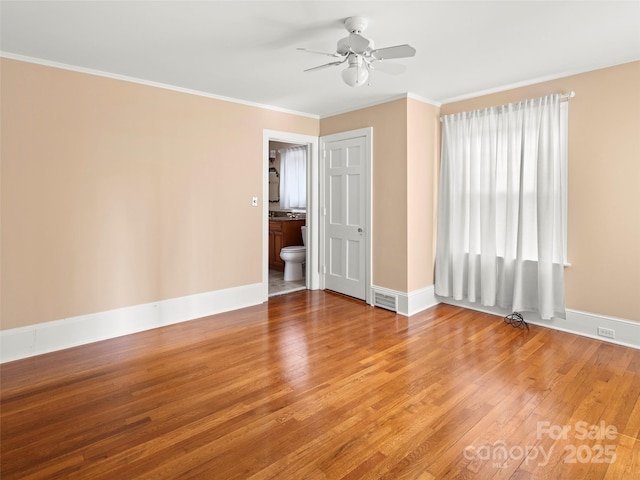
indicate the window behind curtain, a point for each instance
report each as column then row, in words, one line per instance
column 502, row 206
column 293, row 177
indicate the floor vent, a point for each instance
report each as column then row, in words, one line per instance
column 384, row 300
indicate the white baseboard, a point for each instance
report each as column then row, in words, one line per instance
column 47, row 337
column 627, row 332
column 410, row 303
column 420, row 300
column 22, row 342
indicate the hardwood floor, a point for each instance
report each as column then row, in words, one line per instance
column 315, row 385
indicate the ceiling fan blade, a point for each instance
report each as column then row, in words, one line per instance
column 319, row 53
column 320, row 67
column 399, row 51
column 388, row 67
column 354, row 43
column 358, row 43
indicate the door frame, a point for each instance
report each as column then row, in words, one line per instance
column 312, row 243
column 367, row 133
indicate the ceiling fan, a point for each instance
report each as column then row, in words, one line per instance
column 360, row 54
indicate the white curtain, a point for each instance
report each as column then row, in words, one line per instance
column 293, row 177
column 501, row 218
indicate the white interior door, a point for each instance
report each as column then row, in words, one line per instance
column 346, row 212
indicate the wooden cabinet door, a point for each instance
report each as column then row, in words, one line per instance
column 278, row 244
column 271, row 247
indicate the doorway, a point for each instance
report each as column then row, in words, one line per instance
column 287, row 212
column 273, row 278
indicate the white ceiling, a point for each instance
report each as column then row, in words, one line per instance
column 247, row 50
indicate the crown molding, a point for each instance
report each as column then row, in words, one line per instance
column 140, row 81
column 526, row 83
column 381, row 102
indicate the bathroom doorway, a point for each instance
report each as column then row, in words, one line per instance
column 287, row 216
column 288, row 206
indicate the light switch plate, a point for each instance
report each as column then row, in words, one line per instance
column 254, row 201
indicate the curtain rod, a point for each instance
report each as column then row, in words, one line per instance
column 563, row 97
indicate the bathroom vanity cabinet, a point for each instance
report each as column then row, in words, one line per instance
column 283, row 232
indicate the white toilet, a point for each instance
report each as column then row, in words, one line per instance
column 294, row 257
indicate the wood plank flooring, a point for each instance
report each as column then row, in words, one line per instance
column 314, row 385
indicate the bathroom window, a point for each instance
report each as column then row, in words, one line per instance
column 293, row 177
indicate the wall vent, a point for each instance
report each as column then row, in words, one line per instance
column 384, row 300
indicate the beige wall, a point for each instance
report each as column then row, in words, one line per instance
column 389, row 172
column 423, row 155
column 117, row 194
column 604, row 185
column 405, row 152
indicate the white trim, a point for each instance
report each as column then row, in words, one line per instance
column 412, row 302
column 100, row 73
column 367, row 133
column 526, row 83
column 149, row 83
column 424, row 99
column 420, row 300
column 362, row 106
column 579, row 323
column 56, row 335
column 382, row 101
column 586, row 324
column 312, row 270
column 22, row 342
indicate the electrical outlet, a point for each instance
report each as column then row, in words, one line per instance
column 606, row 332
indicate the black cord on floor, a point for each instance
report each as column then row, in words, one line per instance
column 515, row 320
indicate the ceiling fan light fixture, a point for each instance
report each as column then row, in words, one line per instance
column 361, row 54
column 356, row 74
